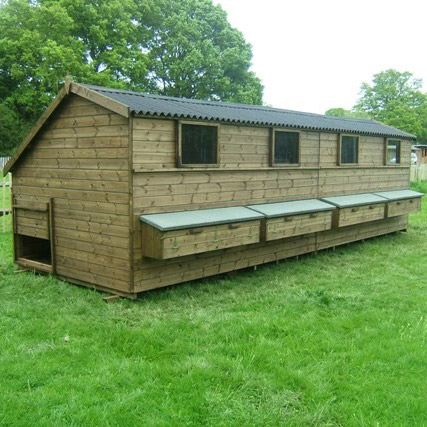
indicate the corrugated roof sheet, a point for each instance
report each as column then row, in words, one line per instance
column 184, row 108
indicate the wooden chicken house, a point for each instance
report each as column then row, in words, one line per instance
column 126, row 192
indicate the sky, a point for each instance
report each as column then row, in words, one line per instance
column 312, row 55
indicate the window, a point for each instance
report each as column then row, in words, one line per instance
column 392, row 152
column 198, row 145
column 285, row 148
column 349, row 149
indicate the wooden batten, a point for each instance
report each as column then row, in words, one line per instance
column 131, row 218
column 51, row 222
column 34, row 265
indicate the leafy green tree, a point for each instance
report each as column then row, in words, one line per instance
column 12, row 128
column 172, row 47
column 395, row 98
column 35, row 52
column 197, row 54
column 114, row 35
column 342, row 112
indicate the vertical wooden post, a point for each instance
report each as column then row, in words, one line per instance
column 11, row 199
column 178, row 143
column 67, row 83
column 51, row 225
column 132, row 226
column 14, row 238
column 3, row 206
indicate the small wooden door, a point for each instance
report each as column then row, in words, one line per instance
column 33, row 235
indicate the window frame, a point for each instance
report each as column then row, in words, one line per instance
column 340, row 163
column 178, row 133
column 273, row 145
column 386, row 162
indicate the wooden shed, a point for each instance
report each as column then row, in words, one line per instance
column 421, row 152
column 127, row 192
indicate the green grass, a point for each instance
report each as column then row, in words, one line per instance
column 334, row 339
column 420, row 186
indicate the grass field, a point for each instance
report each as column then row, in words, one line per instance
column 334, row 339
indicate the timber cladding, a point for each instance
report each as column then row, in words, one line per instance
column 93, row 165
column 81, row 160
column 245, row 178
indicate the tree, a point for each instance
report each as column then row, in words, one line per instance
column 172, row 47
column 341, row 112
column 35, row 52
column 395, row 98
column 197, row 54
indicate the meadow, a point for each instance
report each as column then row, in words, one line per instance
column 334, row 339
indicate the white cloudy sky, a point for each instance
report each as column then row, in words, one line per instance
column 312, row 55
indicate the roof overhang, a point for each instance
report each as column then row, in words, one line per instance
column 97, row 98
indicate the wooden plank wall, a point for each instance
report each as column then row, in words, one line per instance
column 245, row 177
column 81, row 160
column 369, row 175
column 240, row 146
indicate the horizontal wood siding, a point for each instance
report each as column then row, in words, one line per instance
column 239, row 146
column 371, row 151
column 359, row 214
column 177, row 243
column 249, row 147
column 296, row 225
column 32, row 223
column 151, row 273
column 80, row 159
column 244, row 177
column 346, row 180
column 352, row 233
column 181, row 190
column 402, row 207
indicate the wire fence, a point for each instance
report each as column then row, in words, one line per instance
column 5, row 206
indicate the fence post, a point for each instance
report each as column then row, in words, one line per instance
column 3, row 203
column 5, row 183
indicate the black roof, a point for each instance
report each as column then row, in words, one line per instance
column 184, row 108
